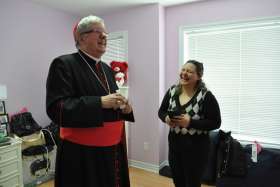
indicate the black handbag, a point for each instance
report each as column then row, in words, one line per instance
column 231, row 157
column 40, row 164
column 37, row 150
column 23, row 124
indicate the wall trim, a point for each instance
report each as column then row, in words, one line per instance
column 147, row 166
column 164, row 163
column 144, row 165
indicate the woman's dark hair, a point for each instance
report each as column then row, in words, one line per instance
column 199, row 67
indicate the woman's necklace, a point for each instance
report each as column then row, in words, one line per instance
column 106, row 89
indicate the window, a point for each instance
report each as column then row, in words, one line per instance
column 117, row 50
column 116, row 47
column 242, row 69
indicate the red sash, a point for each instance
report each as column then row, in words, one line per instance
column 107, row 135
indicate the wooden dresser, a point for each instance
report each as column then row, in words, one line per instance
column 11, row 164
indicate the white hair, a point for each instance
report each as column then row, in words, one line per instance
column 85, row 24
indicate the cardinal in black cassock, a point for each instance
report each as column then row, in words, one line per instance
column 82, row 99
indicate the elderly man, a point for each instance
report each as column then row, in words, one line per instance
column 82, row 99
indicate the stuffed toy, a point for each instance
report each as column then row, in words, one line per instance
column 120, row 69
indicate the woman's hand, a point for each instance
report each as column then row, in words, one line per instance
column 182, row 121
column 169, row 122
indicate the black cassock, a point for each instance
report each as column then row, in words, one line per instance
column 74, row 101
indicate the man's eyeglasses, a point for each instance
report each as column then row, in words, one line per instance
column 97, row 31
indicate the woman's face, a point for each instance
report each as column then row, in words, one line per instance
column 188, row 75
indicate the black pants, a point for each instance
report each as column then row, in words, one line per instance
column 188, row 156
column 86, row 166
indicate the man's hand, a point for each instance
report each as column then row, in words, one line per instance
column 114, row 100
column 126, row 108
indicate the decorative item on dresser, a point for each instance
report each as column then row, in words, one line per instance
column 4, row 118
column 10, row 163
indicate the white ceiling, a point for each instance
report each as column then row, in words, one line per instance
column 101, row 7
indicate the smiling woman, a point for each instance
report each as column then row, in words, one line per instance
column 191, row 111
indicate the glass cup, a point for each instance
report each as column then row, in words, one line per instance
column 124, row 92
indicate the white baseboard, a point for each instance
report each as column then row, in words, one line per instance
column 147, row 166
column 143, row 165
column 164, row 163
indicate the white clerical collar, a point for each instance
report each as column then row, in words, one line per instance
column 95, row 59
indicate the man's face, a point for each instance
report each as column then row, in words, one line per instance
column 94, row 41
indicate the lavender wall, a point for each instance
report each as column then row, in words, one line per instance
column 144, row 57
column 162, row 127
column 145, row 29
column 206, row 12
column 31, row 36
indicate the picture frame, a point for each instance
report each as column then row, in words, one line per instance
column 4, row 129
column 4, row 119
column 2, row 107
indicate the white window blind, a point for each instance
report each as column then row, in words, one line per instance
column 117, row 50
column 242, row 69
column 116, row 47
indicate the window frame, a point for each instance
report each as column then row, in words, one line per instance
column 220, row 27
